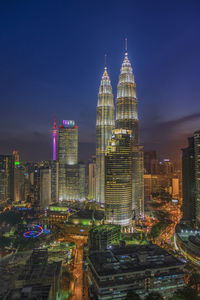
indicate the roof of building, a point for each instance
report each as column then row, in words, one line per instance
column 38, row 291
column 132, row 259
column 105, row 228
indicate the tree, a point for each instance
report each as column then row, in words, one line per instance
column 185, row 294
column 194, row 280
column 154, row 296
column 132, row 296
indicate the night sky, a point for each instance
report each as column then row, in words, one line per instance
column 52, row 60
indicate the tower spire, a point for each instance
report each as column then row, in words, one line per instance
column 104, row 125
column 54, row 133
column 105, row 68
column 126, row 46
column 54, row 123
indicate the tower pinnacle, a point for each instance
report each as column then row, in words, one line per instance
column 126, row 46
column 54, row 134
column 104, row 125
column 54, row 123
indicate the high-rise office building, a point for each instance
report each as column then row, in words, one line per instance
column 19, row 182
column 83, row 181
column 92, row 180
column 150, row 162
column 188, row 171
column 45, row 187
column 118, row 178
column 126, row 102
column 72, row 188
column 68, row 161
column 6, row 178
column 138, row 181
column 191, row 180
column 104, row 126
column 54, row 180
column 127, row 118
column 54, row 134
column 16, row 156
column 68, row 143
column 197, row 174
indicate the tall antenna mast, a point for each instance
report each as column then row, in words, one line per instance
column 105, row 60
column 125, row 45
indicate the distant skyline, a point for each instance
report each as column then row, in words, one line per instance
column 52, row 61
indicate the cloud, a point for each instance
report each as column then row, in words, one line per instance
column 176, row 122
column 168, row 137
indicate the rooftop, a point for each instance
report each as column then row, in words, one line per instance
column 132, row 259
column 105, row 228
column 38, row 291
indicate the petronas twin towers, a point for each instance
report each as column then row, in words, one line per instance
column 126, row 119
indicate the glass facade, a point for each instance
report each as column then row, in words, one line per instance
column 188, row 174
column 197, row 174
column 45, row 188
column 126, row 102
column 6, row 178
column 104, row 126
column 191, row 180
column 118, row 178
column 127, row 118
column 68, row 160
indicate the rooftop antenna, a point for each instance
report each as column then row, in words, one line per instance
column 125, row 45
column 54, row 122
column 105, row 60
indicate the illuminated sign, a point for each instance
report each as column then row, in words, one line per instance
column 175, row 200
column 68, row 123
column 17, row 163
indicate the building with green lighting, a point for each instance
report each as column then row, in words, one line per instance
column 103, row 236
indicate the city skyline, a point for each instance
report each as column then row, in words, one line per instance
column 39, row 78
column 99, row 190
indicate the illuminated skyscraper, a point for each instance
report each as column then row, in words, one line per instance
column 54, row 166
column 197, row 174
column 19, row 181
column 6, row 178
column 68, row 161
column 118, row 178
column 92, row 179
column 83, row 181
column 138, row 181
column 126, row 102
column 127, row 118
column 68, row 143
column 19, row 177
column 104, row 126
column 45, row 187
column 191, row 180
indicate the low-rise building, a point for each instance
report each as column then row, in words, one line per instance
column 140, row 269
column 101, row 237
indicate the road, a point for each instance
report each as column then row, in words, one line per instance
column 76, row 284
